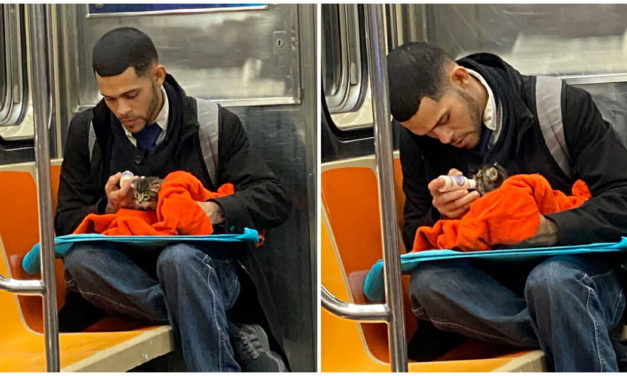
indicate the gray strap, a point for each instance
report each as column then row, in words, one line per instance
column 91, row 140
column 208, row 120
column 549, row 109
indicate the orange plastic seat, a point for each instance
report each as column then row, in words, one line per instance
column 22, row 343
column 350, row 245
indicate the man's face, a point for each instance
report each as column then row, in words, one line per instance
column 133, row 99
column 455, row 119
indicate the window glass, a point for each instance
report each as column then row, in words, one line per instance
column 344, row 66
column 553, row 39
column 203, row 45
column 13, row 74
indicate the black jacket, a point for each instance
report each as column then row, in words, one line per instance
column 597, row 157
column 260, row 199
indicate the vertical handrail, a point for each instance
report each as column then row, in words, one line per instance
column 40, row 95
column 377, row 65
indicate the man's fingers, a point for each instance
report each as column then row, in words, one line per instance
column 459, row 212
column 435, row 185
column 112, row 182
column 454, row 171
column 466, row 200
column 459, row 204
column 447, row 198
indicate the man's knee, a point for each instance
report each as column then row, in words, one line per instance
column 177, row 259
column 430, row 280
column 82, row 257
column 554, row 278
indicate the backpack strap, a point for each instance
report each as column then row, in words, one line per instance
column 91, row 140
column 208, row 115
column 549, row 110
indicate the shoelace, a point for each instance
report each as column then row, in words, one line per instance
column 250, row 343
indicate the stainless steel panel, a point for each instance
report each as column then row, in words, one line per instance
column 611, row 100
column 286, row 137
column 558, row 39
column 236, row 52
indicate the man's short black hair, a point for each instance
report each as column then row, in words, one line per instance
column 122, row 48
column 415, row 70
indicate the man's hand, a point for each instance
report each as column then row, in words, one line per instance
column 118, row 197
column 546, row 236
column 213, row 211
column 451, row 204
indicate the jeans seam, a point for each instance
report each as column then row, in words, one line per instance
column 602, row 363
column 234, row 287
column 126, row 307
column 619, row 298
column 213, row 308
column 480, row 334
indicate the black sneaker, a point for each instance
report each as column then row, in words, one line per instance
column 252, row 349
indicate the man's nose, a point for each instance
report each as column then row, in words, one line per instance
column 445, row 136
column 123, row 108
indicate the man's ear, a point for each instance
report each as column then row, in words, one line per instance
column 159, row 73
column 460, row 76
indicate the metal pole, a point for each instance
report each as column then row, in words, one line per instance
column 360, row 312
column 377, row 64
column 40, row 95
column 21, row 287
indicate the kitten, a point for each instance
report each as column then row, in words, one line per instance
column 490, row 177
column 146, row 191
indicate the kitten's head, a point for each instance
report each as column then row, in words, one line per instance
column 490, row 177
column 146, row 190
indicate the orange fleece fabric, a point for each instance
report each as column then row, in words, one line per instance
column 507, row 215
column 177, row 211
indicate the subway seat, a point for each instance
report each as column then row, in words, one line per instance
column 108, row 345
column 350, row 245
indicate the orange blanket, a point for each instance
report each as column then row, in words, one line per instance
column 177, row 212
column 507, row 215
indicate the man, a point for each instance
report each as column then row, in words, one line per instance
column 146, row 124
column 459, row 115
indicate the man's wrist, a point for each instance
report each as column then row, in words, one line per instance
column 547, row 233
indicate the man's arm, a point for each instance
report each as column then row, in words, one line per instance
column 260, row 199
column 599, row 159
column 418, row 210
column 78, row 194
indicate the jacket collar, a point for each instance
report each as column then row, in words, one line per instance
column 508, row 85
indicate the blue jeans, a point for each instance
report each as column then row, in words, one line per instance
column 180, row 285
column 567, row 305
